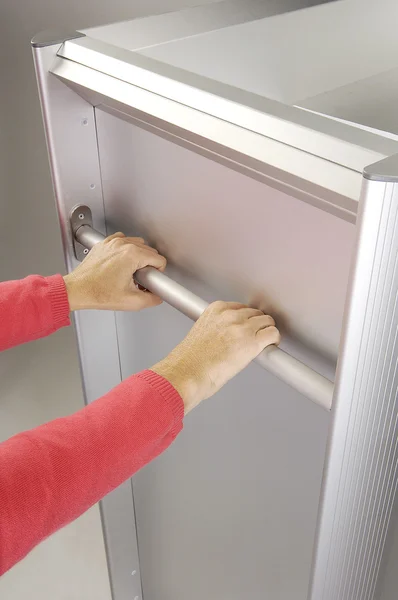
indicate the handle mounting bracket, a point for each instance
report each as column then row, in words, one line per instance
column 80, row 215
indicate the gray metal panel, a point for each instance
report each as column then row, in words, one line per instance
column 157, row 29
column 230, row 509
column 296, row 55
column 72, row 145
column 361, row 470
column 294, row 260
column 370, row 102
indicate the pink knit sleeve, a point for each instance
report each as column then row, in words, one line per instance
column 32, row 308
column 50, row 475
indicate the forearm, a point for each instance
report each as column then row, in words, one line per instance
column 50, row 475
column 32, row 308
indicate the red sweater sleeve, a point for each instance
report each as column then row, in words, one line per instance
column 52, row 474
column 32, row 308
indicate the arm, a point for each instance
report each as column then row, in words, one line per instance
column 32, row 308
column 37, row 306
column 52, row 474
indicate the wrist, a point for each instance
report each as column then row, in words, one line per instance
column 183, row 380
column 73, row 290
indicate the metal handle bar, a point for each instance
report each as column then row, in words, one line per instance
column 288, row 369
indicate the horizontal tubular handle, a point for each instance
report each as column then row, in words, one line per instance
column 288, row 369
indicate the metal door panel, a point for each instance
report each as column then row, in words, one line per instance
column 245, row 240
column 229, row 511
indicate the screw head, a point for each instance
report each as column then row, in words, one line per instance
column 85, row 251
column 81, row 216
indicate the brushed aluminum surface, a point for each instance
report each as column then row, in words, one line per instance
column 361, row 469
column 224, row 512
column 241, row 238
column 71, row 134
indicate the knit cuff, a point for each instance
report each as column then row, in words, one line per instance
column 59, row 301
column 169, row 394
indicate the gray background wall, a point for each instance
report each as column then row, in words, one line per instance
column 40, row 381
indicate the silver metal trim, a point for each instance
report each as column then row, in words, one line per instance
column 314, row 180
column 52, row 38
column 385, row 170
column 336, row 142
column 287, row 368
column 69, row 123
column 321, row 159
column 361, row 473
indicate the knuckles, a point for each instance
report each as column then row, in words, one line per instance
column 218, row 307
column 274, row 335
column 117, row 242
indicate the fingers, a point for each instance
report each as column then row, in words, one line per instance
column 220, row 306
column 115, row 236
column 248, row 319
column 240, row 313
column 138, row 254
column 139, row 300
column 148, row 257
column 130, row 240
column 261, row 321
column 269, row 336
column 142, row 254
column 137, row 241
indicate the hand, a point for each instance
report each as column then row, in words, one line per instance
column 226, row 338
column 104, row 280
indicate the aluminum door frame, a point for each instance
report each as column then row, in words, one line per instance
column 73, row 152
column 296, row 151
column 361, row 444
column 361, row 474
